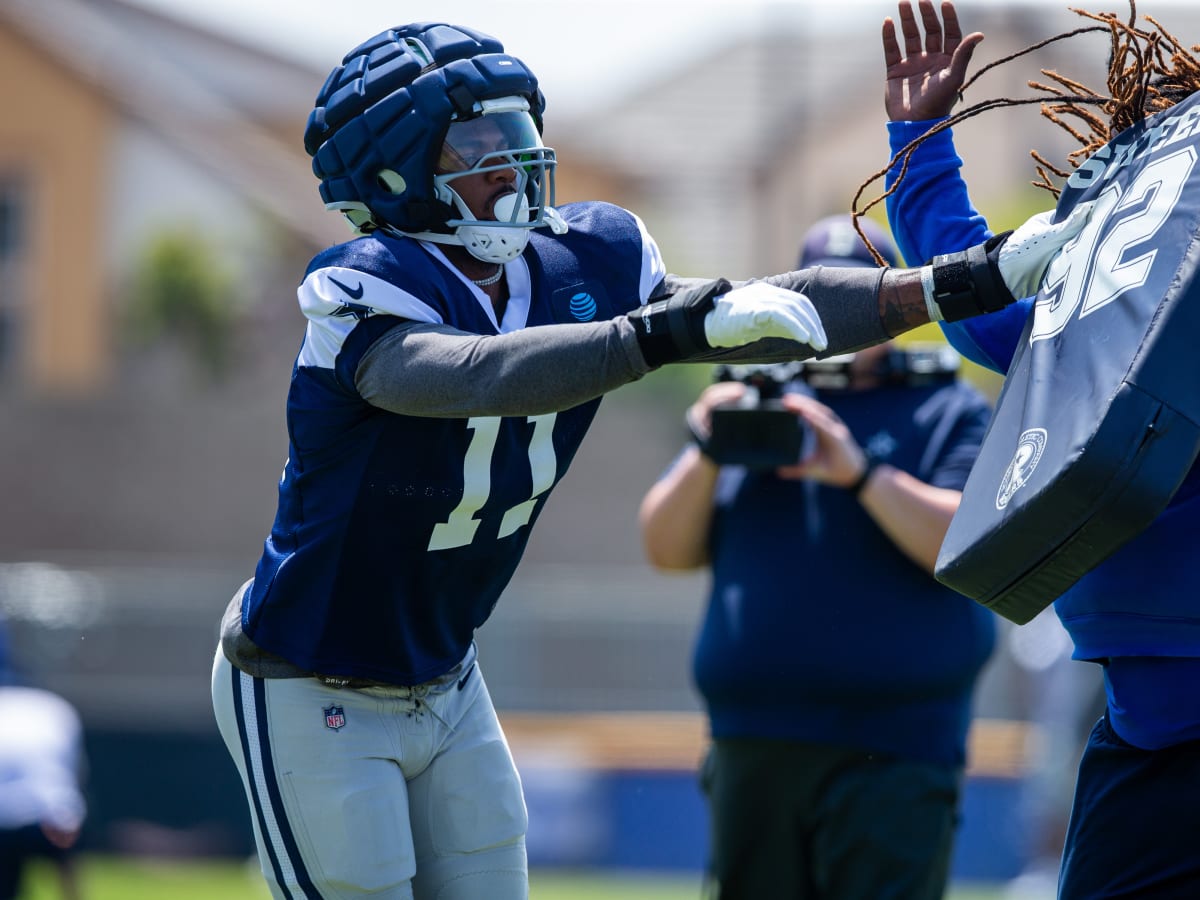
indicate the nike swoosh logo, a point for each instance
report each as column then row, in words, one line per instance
column 353, row 293
column 463, row 681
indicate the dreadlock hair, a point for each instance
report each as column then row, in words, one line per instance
column 1149, row 70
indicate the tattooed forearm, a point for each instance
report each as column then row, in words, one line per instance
column 902, row 301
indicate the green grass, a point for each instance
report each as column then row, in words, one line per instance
column 111, row 878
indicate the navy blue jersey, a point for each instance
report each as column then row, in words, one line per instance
column 818, row 627
column 395, row 534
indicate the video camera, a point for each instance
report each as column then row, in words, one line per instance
column 759, row 433
column 913, row 365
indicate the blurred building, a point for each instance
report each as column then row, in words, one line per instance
column 126, row 124
column 732, row 156
column 155, row 130
column 121, row 124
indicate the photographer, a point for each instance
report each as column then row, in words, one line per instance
column 836, row 672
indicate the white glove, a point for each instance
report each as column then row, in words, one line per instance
column 1028, row 251
column 761, row 310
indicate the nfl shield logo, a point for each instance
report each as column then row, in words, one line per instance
column 335, row 717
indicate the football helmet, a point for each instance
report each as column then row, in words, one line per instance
column 415, row 108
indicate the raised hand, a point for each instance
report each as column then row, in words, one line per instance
column 923, row 78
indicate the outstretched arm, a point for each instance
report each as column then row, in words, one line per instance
column 424, row 369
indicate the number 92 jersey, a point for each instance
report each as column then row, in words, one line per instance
column 1098, row 424
column 396, row 534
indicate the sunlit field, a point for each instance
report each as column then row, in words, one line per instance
column 110, row 878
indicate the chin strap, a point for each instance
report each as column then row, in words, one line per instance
column 498, row 243
column 555, row 220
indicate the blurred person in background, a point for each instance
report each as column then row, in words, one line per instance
column 42, row 769
column 837, row 673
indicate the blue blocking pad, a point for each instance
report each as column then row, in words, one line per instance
column 1098, row 422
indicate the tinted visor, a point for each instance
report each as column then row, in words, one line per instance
column 468, row 143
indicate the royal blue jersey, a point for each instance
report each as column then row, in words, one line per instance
column 1137, row 604
column 396, row 534
column 818, row 627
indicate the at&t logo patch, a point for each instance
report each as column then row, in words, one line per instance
column 583, row 306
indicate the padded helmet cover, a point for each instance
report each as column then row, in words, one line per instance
column 388, row 106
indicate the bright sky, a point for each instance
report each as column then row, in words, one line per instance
column 642, row 37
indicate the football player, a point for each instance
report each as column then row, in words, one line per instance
column 1134, row 820
column 455, row 355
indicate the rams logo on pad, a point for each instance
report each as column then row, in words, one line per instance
column 1029, row 452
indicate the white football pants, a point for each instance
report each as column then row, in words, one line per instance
column 392, row 793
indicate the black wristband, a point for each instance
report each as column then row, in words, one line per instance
column 968, row 283
column 662, row 332
column 672, row 330
column 861, row 482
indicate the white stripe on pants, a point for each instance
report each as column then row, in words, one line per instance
column 414, row 794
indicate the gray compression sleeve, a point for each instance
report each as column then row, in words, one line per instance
column 421, row 369
column 846, row 299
